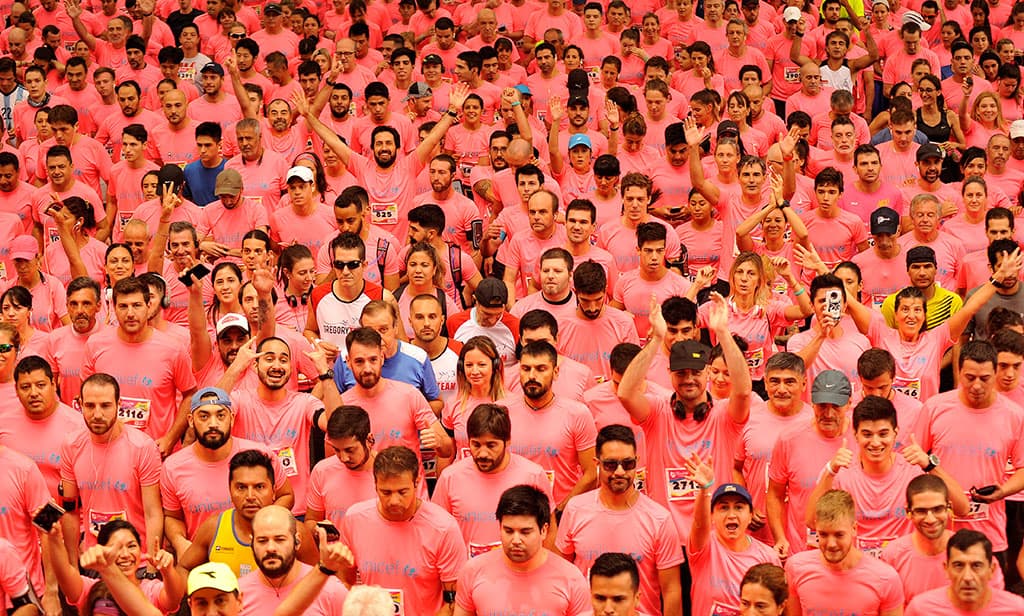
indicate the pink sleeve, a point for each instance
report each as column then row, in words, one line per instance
column 469, row 268
column 89, row 365
column 668, row 541
column 393, row 263
column 425, row 417
column 451, row 553
column 440, row 497
column 579, row 598
column 13, row 576
column 510, row 257
column 184, row 380
column 860, row 232
column 67, row 468
column 36, row 494
column 464, row 599
column 585, row 431
column 59, row 301
column 1017, row 455
column 103, row 162
column 315, row 493
column 167, row 494
column 261, row 218
column 891, row 591
column 777, row 471
column 923, row 427
column 149, row 464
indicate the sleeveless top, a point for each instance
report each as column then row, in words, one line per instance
column 839, row 79
column 228, row 548
column 937, row 133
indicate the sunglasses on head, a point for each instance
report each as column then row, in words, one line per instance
column 610, row 466
column 352, row 265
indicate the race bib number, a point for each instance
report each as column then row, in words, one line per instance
column 593, row 73
column 429, row 463
column 978, row 512
column 909, row 387
column 384, row 213
column 680, row 486
column 640, row 481
column 551, row 478
column 123, row 218
column 134, row 412
column 877, row 299
column 397, row 600
column 476, row 549
column 3, row 270
column 872, row 546
column 286, row 456
column 244, row 570
column 721, row 609
column 791, row 74
column 53, row 236
column 466, row 168
column 98, row 518
column 755, row 358
column 464, row 453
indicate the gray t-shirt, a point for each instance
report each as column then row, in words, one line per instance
column 978, row 324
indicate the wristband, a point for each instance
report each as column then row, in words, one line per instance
column 326, row 571
column 995, row 282
column 798, row 293
column 786, row 159
column 452, row 114
column 614, row 129
column 448, row 596
column 516, row 103
column 330, row 83
column 828, row 468
column 708, row 485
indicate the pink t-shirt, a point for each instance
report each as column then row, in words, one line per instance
column 472, row 497
column 176, row 147
column 262, row 598
column 263, row 179
column 757, row 440
column 974, row 445
column 796, row 462
column 111, row 489
column 454, row 417
column 410, row 559
column 152, row 374
column 126, row 185
column 833, row 354
column 572, row 381
column 919, row 572
column 898, row 168
column 620, row 240
column 634, row 292
column 970, row 235
column 13, row 582
column 756, row 327
column 92, row 161
column 199, row 489
column 916, row 374
column 703, row 248
column 399, row 413
column 668, row 481
column 522, row 252
column 870, row 587
column 227, row 226
column 93, row 255
column 717, row 572
column 862, row 204
column 937, row 601
column 590, row 342
column 41, row 439
column 41, row 199
column 488, row 586
column 289, row 227
column 66, row 349
column 835, row 239
column 284, row 427
column 646, row 530
column 22, row 492
column 553, row 437
column 391, row 190
column 881, row 277
column 333, row 488
column 881, row 502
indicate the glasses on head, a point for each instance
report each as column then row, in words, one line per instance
column 6, row 347
column 920, row 512
column 610, row 466
column 352, row 265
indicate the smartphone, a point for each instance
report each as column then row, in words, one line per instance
column 970, row 81
column 54, row 207
column 198, row 271
column 834, row 303
column 49, row 515
column 333, row 536
column 986, row 490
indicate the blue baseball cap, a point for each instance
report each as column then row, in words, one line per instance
column 213, row 395
column 732, row 489
column 580, row 139
column 524, row 90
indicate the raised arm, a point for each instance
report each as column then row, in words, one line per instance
column 557, row 111
column 328, row 136
column 796, row 49
column 703, row 474
column 334, row 557
column 249, row 108
column 1007, row 271
column 864, row 62
column 693, row 138
column 634, row 381
column 74, row 11
column 202, row 347
column 455, row 99
column 718, row 322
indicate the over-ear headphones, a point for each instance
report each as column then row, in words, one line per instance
column 165, row 301
column 293, row 301
column 700, row 412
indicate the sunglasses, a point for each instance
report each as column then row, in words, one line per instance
column 236, row 35
column 610, row 466
column 352, row 265
column 6, row 348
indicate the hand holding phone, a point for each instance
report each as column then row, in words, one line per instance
column 47, row 516
column 333, row 536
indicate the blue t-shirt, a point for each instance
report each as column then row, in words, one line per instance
column 410, row 365
column 200, row 180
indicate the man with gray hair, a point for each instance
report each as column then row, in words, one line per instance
column 925, row 212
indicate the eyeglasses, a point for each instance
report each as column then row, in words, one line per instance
column 352, row 265
column 236, row 35
column 6, row 348
column 610, row 466
column 346, row 53
column 920, row 512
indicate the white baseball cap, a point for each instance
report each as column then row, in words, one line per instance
column 298, row 171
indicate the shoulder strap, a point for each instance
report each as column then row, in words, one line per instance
column 382, row 257
column 455, row 263
column 399, row 291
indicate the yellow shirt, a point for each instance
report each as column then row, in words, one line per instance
column 228, row 548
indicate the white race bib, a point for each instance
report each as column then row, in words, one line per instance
column 134, row 412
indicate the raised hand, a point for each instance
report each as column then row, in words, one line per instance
column 299, row 103
column 1009, row 268
column 429, row 439
column 914, row 454
column 692, row 132
column 782, row 267
column 509, row 95
column 705, row 276
column 262, row 280
column 458, row 96
column 556, row 109
column 73, row 8
column 718, row 316
column 776, row 183
column 611, row 113
column 98, row 557
column 700, row 469
column 843, row 457
column 787, row 144
column 659, row 329
column 334, row 556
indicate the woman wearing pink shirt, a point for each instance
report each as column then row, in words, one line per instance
column 479, row 376
column 737, row 108
column 764, row 591
column 754, row 315
column 121, row 539
column 118, row 264
column 985, row 118
column 776, row 220
column 918, row 352
column 702, row 235
column 701, row 74
column 16, row 309
column 969, row 225
column 426, row 277
column 719, row 549
column 651, row 40
column 227, row 281
column 468, row 140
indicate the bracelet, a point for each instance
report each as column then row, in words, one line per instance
column 614, row 129
column 708, row 485
column 995, row 282
column 798, row 293
column 330, row 83
column 786, row 159
column 452, row 114
column 516, row 103
column 326, row 571
column 828, row 468
column 784, row 204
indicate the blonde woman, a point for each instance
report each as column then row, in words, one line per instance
column 985, row 118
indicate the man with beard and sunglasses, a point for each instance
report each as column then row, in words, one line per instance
column 471, row 488
column 276, row 540
column 343, row 479
column 618, row 518
column 225, row 536
column 189, row 486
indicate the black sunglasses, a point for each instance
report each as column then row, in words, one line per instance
column 6, row 348
column 352, row 265
column 610, row 466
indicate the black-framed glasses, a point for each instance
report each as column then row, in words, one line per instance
column 920, row 512
column 610, row 466
column 237, row 35
column 352, row 265
column 6, row 347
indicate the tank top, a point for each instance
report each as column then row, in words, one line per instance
column 938, row 133
column 228, row 548
column 838, row 79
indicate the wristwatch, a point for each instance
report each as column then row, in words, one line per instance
column 327, row 376
column 933, row 461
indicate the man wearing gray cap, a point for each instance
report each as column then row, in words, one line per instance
column 193, row 485
column 225, row 221
column 798, row 459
